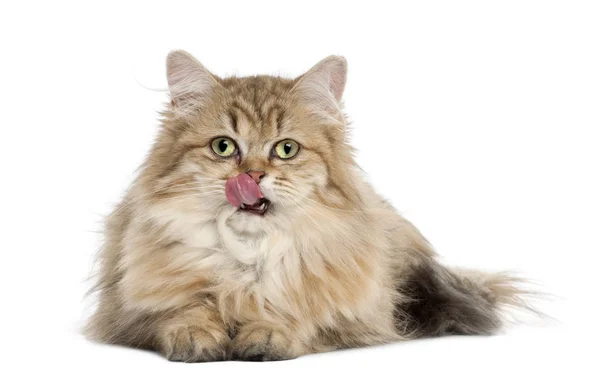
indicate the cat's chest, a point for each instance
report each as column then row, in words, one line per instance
column 258, row 260
column 258, row 269
column 258, row 256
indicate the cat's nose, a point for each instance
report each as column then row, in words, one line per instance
column 256, row 175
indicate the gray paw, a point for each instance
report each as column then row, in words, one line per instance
column 261, row 344
column 194, row 344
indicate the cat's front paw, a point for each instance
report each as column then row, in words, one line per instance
column 262, row 343
column 191, row 343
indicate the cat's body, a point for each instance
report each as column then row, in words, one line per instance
column 329, row 265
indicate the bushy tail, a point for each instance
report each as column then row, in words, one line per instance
column 436, row 301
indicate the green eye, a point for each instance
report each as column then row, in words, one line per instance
column 287, row 149
column 223, row 146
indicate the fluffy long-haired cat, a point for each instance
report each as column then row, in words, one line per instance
column 251, row 234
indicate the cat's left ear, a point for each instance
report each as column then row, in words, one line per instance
column 190, row 83
column 323, row 85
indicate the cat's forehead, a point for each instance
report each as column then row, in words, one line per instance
column 258, row 106
column 258, row 86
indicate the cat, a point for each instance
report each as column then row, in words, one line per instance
column 251, row 234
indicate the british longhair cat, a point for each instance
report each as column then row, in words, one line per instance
column 251, row 234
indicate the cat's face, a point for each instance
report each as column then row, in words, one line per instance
column 288, row 135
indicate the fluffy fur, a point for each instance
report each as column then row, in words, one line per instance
column 330, row 265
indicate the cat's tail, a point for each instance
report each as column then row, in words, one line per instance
column 435, row 300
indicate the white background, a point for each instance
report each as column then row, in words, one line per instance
column 479, row 120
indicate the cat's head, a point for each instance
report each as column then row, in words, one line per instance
column 287, row 135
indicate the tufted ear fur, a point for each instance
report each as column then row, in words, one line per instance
column 323, row 85
column 190, row 83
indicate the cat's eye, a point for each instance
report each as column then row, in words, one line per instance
column 223, row 146
column 286, row 149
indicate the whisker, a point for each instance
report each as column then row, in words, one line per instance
column 292, row 192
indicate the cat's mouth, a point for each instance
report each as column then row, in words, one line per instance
column 243, row 192
column 259, row 208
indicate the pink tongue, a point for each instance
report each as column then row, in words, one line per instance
column 242, row 189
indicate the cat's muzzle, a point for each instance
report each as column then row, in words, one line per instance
column 259, row 208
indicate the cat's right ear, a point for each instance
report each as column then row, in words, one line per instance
column 190, row 83
column 322, row 87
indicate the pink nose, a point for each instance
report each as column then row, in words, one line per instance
column 256, row 175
